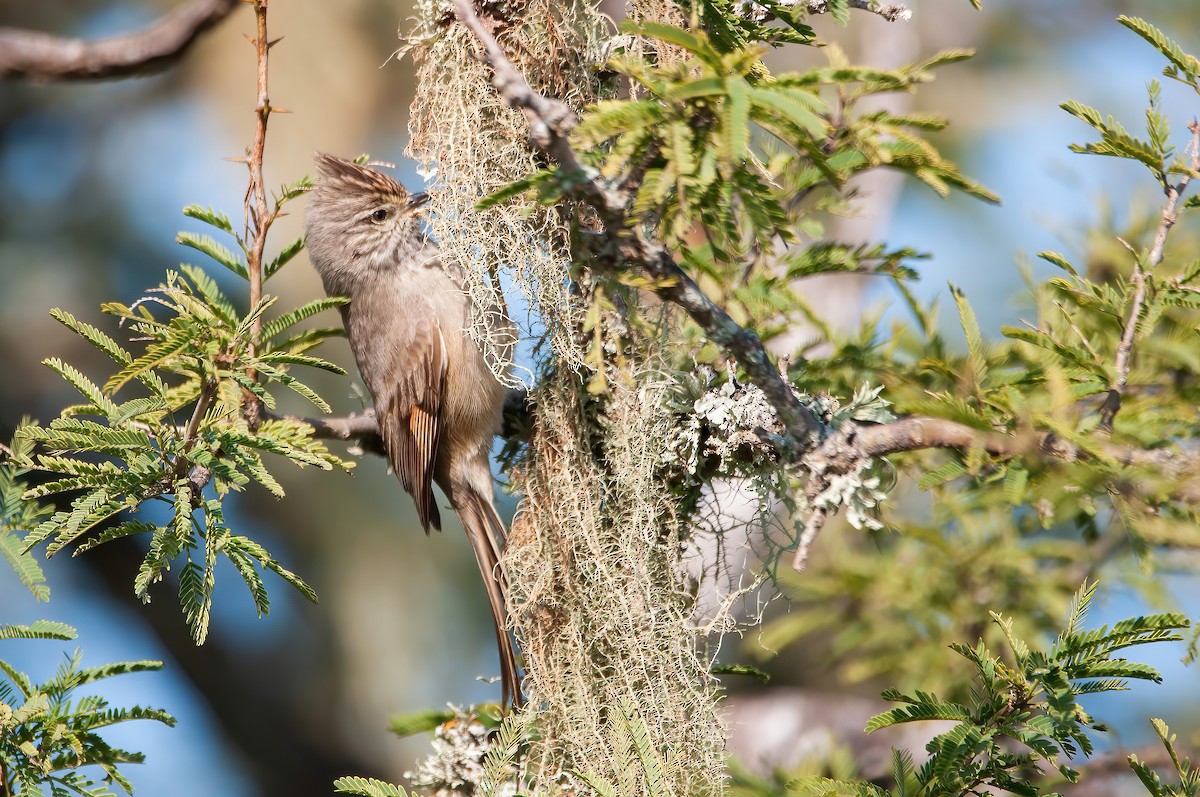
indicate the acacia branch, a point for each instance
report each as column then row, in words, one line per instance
column 44, row 56
column 892, row 12
column 550, row 124
column 258, row 216
column 363, row 430
column 856, row 442
column 1166, row 220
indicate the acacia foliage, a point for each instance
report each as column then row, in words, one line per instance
column 732, row 167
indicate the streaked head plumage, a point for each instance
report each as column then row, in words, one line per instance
column 360, row 219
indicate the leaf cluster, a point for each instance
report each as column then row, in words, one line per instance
column 1024, row 713
column 17, row 514
column 171, row 426
column 644, row 769
column 733, row 167
column 47, row 735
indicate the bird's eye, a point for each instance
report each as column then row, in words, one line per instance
column 379, row 215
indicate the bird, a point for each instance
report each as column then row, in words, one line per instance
column 437, row 403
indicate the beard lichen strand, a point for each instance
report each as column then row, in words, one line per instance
column 470, row 144
column 598, row 605
column 593, row 557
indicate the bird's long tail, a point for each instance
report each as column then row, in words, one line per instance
column 486, row 532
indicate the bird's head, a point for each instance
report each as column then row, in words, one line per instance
column 361, row 220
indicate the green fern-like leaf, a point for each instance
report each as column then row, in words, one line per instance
column 205, row 244
column 284, row 257
column 277, row 326
column 213, row 218
column 1186, row 67
column 39, row 629
column 367, row 787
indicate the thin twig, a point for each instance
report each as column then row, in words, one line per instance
column 258, row 215
column 43, row 56
column 812, row 528
column 1112, row 401
column 1166, row 220
column 550, row 124
column 892, row 12
column 364, row 430
column 191, row 431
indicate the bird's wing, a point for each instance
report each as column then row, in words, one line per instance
column 409, row 412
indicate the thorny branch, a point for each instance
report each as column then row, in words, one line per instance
column 259, row 216
column 43, row 56
column 1170, row 212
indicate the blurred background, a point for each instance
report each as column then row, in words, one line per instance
column 92, row 180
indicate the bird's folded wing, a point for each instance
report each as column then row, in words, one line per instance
column 409, row 413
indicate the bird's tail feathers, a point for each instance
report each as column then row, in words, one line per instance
column 486, row 532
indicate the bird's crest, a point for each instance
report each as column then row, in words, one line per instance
column 346, row 176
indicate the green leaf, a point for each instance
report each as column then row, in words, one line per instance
column 205, row 244
column 695, row 89
column 1183, row 62
column 213, row 218
column 1059, row 260
column 601, row 121
column 840, row 10
column 23, row 563
column 516, row 188
column 787, row 103
column 157, row 354
column 367, row 787
column 1016, row 480
column 286, row 379
column 278, row 326
column 93, row 335
column 740, row 669
column 290, row 191
column 919, row 712
column 735, row 120
column 284, row 257
column 286, row 358
column 421, row 722
column 39, row 629
column 977, row 359
column 948, row 472
column 85, row 386
column 697, row 44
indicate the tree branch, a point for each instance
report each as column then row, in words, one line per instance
column 258, row 216
column 550, row 124
column 364, row 430
column 856, row 442
column 43, row 56
column 892, row 12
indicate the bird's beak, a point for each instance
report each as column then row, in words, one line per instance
column 418, row 200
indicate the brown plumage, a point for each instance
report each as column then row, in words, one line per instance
column 437, row 403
